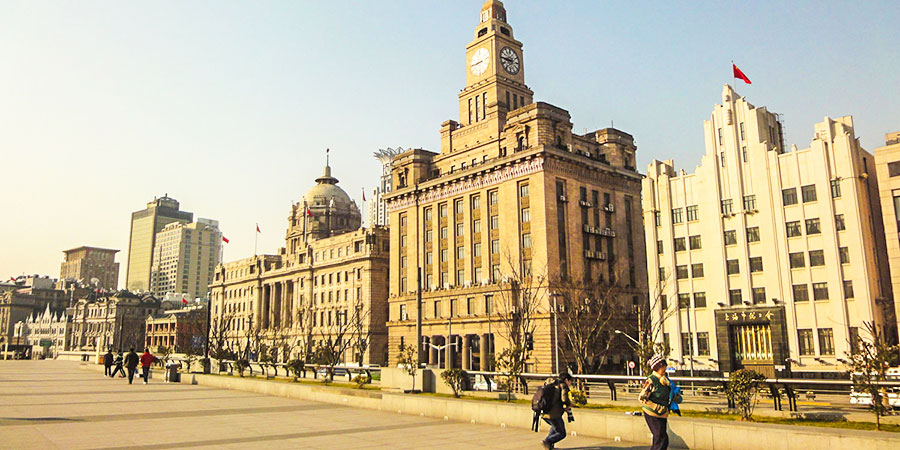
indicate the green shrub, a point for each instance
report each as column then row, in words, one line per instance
column 578, row 398
column 362, row 380
column 742, row 387
column 456, row 378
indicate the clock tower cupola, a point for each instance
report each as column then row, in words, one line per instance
column 495, row 75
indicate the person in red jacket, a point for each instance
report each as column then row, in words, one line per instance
column 146, row 360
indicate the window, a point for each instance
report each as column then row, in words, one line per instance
column 812, row 226
column 488, row 299
column 744, row 152
column 684, row 300
column 694, row 242
column 460, row 254
column 693, row 213
column 460, row 276
column 681, row 272
column 820, row 291
column 789, row 196
column 848, row 289
column 703, row 343
column 677, row 216
column 526, row 215
column 826, row 341
column 839, row 222
column 697, row 270
column 816, row 258
column 437, row 308
column 727, row 207
column 730, row 237
column 805, row 342
column 733, row 266
column 476, row 202
column 793, row 229
column 657, row 218
column 476, row 249
column 809, row 193
column 460, row 229
column 835, row 188
column 734, row 297
column 894, row 169
column 429, row 258
column 444, row 255
column 454, row 307
column 699, row 299
column 659, row 247
column 495, row 222
column 403, row 315
column 662, row 273
column 797, row 259
column 753, row 234
column 442, row 210
column 495, row 246
column 476, row 226
column 844, row 254
column 429, row 236
column 759, row 295
column 679, row 245
column 470, row 306
column 741, row 127
column 722, row 158
column 443, row 232
column 801, row 293
column 687, row 346
column 750, row 203
column 756, row 264
column 523, row 190
column 721, row 139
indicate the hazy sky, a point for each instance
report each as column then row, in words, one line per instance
column 228, row 106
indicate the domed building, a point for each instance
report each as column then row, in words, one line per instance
column 326, row 286
column 325, row 211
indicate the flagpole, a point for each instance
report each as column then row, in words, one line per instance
column 255, row 239
column 733, row 78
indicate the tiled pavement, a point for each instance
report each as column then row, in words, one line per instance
column 53, row 404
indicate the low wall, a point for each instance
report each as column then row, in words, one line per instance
column 705, row 434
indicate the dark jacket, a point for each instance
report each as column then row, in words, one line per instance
column 119, row 360
column 108, row 359
column 131, row 360
column 560, row 401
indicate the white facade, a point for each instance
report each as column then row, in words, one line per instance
column 184, row 258
column 378, row 213
column 768, row 259
column 50, row 328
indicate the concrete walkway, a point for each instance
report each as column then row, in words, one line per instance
column 53, row 404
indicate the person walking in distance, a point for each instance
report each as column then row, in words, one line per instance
column 656, row 400
column 558, row 402
column 146, row 361
column 107, row 362
column 118, row 370
column 131, row 362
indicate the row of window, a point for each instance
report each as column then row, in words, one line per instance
column 472, row 308
column 816, row 258
column 806, row 346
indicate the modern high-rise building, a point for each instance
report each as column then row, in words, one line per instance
column 766, row 257
column 887, row 166
column 144, row 226
column 514, row 205
column 86, row 263
column 378, row 213
column 184, row 258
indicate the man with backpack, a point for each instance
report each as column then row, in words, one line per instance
column 549, row 402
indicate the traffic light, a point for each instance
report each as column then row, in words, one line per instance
column 529, row 342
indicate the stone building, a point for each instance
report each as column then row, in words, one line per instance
column 28, row 296
column 330, row 276
column 378, row 213
column 111, row 321
column 86, row 263
column 515, row 201
column 887, row 167
column 766, row 257
column 184, row 258
column 142, row 239
column 46, row 333
column 182, row 330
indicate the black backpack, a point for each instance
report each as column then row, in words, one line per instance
column 542, row 400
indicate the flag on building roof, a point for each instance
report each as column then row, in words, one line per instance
column 257, row 229
column 739, row 74
column 225, row 239
column 184, row 300
column 364, row 194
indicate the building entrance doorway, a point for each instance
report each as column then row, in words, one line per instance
column 752, row 348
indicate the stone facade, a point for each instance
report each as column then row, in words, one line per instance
column 142, row 239
column 182, row 330
column 86, row 263
column 115, row 321
column 184, row 258
column 773, row 256
column 330, row 272
column 514, row 202
column 46, row 333
column 21, row 300
column 887, row 167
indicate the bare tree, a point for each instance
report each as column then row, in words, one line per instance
column 220, row 338
column 652, row 315
column 588, row 311
column 361, row 331
column 522, row 299
column 335, row 339
column 869, row 359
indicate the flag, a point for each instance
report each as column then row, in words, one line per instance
column 257, row 229
column 739, row 74
column 184, row 300
column 225, row 239
column 364, row 194
column 13, row 279
column 308, row 212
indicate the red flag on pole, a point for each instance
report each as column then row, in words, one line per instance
column 13, row 279
column 739, row 74
column 257, row 229
column 308, row 212
column 225, row 239
column 364, row 194
column 184, row 300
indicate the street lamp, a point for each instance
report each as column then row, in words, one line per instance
column 640, row 365
column 555, row 330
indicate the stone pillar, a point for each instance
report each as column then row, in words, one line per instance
column 451, row 354
column 485, row 351
column 467, row 352
column 432, row 352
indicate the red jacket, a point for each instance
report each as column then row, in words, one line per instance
column 146, row 359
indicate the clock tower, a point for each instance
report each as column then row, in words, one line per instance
column 495, row 75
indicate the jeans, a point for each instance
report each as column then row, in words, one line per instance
column 557, row 430
column 658, row 428
column 131, row 374
column 145, row 373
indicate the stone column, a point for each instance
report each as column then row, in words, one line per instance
column 451, row 354
column 467, row 352
column 485, row 348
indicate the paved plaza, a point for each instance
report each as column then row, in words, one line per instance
column 54, row 404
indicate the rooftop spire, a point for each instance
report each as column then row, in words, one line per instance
column 326, row 177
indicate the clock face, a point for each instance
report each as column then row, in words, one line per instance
column 510, row 60
column 480, row 61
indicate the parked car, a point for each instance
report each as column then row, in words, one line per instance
column 893, row 393
column 481, row 384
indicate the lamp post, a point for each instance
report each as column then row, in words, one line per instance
column 640, row 365
column 555, row 331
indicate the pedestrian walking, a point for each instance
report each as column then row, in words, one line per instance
column 131, row 362
column 118, row 370
column 656, row 399
column 146, row 360
column 550, row 402
column 107, row 362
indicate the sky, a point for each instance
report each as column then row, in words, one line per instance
column 229, row 106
